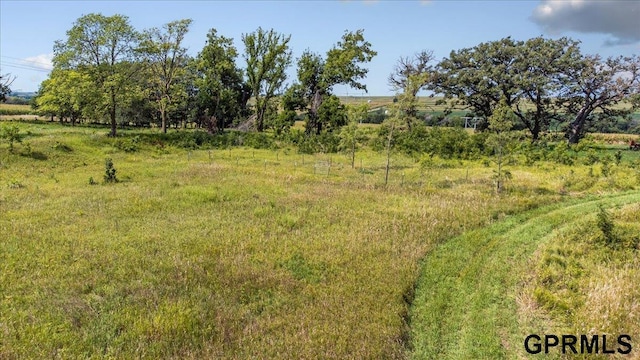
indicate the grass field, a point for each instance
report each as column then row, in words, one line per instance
column 471, row 301
column 235, row 253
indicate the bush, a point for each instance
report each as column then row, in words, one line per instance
column 561, row 154
column 12, row 134
column 606, row 226
column 127, row 145
column 109, row 172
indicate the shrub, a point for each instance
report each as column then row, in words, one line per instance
column 109, row 172
column 12, row 134
column 606, row 226
column 128, row 145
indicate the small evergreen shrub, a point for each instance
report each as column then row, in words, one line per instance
column 109, row 172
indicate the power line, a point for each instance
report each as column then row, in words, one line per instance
column 23, row 67
column 28, row 61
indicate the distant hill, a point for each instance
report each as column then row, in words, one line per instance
column 22, row 94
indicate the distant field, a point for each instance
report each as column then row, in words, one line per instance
column 12, row 109
column 425, row 103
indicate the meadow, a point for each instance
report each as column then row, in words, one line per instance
column 236, row 252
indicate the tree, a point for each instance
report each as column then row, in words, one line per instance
column 479, row 77
column 598, row 85
column 540, row 68
column 318, row 76
column 166, row 60
column 65, row 94
column 222, row 94
column 500, row 123
column 102, row 47
column 5, row 86
column 349, row 138
column 516, row 71
column 409, row 76
column 268, row 56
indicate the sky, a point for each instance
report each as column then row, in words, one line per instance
column 395, row 28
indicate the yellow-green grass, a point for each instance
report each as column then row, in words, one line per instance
column 471, row 302
column 7, row 110
column 235, row 253
column 580, row 284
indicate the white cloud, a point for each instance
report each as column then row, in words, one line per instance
column 617, row 18
column 42, row 61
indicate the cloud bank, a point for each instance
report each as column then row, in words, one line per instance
column 618, row 18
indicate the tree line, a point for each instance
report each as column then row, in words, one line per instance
column 107, row 70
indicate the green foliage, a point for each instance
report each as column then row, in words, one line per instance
column 101, row 48
column 129, row 145
column 332, row 114
column 618, row 157
column 516, row 71
column 594, row 88
column 12, row 134
column 310, row 144
column 268, row 56
column 591, row 157
column 222, row 94
column 606, row 226
column 562, row 154
column 349, row 136
column 166, row 60
column 109, row 172
column 606, row 168
column 500, row 124
column 318, row 76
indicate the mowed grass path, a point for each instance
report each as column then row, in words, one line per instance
column 467, row 297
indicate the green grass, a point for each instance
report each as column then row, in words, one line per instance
column 469, row 295
column 234, row 253
column 14, row 109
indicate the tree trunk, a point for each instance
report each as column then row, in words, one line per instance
column 313, row 123
column 535, row 132
column 112, row 114
column 577, row 126
column 387, row 167
column 163, row 116
column 260, row 119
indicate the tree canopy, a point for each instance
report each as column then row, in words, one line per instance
column 106, row 70
column 268, row 56
column 317, row 76
column 102, row 47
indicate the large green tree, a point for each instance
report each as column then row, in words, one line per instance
column 166, row 59
column 221, row 92
column 479, row 77
column 541, row 67
column 268, row 56
column 104, row 48
column 529, row 71
column 66, row 94
column 594, row 88
column 317, row 76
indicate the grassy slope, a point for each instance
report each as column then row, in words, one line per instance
column 466, row 302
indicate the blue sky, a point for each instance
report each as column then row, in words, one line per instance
column 28, row 29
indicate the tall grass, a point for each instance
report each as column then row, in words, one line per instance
column 234, row 253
